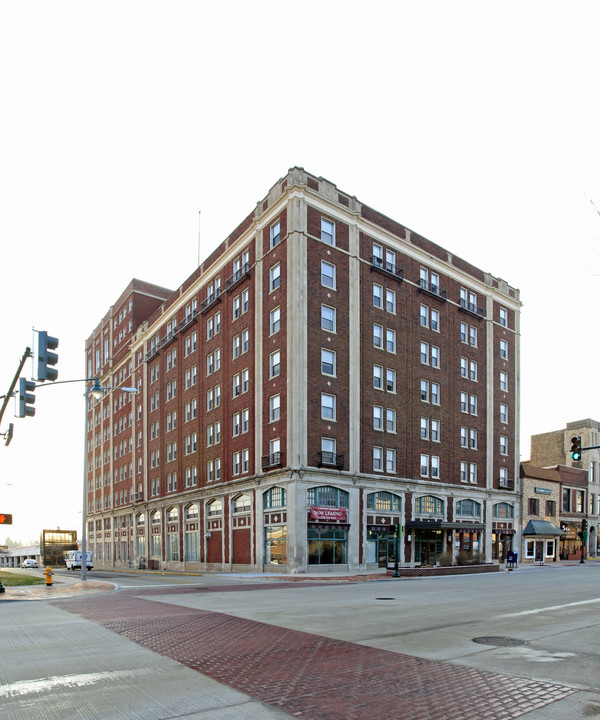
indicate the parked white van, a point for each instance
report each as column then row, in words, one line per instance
column 73, row 560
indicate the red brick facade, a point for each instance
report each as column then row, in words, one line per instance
column 322, row 355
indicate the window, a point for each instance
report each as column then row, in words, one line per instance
column 464, row 471
column 328, row 318
column 504, row 477
column 504, row 381
column 468, row 300
column 390, row 340
column 566, row 499
column 464, row 437
column 424, row 428
column 429, row 505
column 503, row 445
column 236, row 346
column 464, row 367
column 275, row 234
column 473, row 473
column 551, row 508
column 245, row 340
column 435, row 467
column 274, row 408
column 435, row 431
column 390, row 420
column 473, row 370
column 435, row 357
column 435, row 393
column 377, row 295
column 327, row 362
column 390, row 301
column 473, row 336
column 236, row 385
column 377, row 417
column 327, row 274
column 274, row 363
column 390, row 380
column 424, row 465
column 503, row 413
column 425, row 390
column 327, row 406
column 274, row 277
column 384, row 501
column 473, row 438
column 504, row 349
column 533, row 506
column 274, row 498
column 468, row 508
column 245, row 380
column 390, row 461
column 378, row 377
column 236, row 307
column 275, row 321
column 424, row 353
column 473, row 404
column 235, row 424
column 424, row 316
column 464, row 332
column 503, row 317
column 245, row 300
column 377, row 336
column 327, row 231
column 378, row 458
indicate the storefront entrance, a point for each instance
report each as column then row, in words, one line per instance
column 429, row 546
column 381, row 547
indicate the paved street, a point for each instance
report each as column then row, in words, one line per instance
column 500, row 646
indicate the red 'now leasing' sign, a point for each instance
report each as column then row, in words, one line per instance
column 330, row 514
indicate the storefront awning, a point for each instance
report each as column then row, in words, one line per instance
column 424, row 525
column 542, row 528
column 462, row 526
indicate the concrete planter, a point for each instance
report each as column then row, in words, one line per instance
column 451, row 570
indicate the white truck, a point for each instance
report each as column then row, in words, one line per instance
column 73, row 560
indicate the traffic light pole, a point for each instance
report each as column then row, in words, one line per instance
column 11, row 389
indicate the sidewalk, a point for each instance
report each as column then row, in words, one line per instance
column 62, row 587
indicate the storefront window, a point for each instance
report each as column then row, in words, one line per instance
column 276, row 545
column 327, row 546
column 429, row 505
column 468, row 508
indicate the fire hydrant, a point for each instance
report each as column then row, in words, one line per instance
column 48, row 572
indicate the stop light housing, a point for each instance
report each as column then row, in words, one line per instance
column 576, row 447
column 5, row 519
column 46, row 359
column 26, row 398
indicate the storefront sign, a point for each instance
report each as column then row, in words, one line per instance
column 543, row 491
column 328, row 514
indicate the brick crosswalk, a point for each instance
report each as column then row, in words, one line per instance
column 309, row 676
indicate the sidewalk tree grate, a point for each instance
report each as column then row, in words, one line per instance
column 499, row 641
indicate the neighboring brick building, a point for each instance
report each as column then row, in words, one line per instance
column 323, row 375
column 554, row 448
column 540, row 517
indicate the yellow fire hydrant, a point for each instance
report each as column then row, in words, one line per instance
column 48, row 572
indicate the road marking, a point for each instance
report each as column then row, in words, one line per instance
column 550, row 607
column 27, row 687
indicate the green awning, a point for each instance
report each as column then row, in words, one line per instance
column 542, row 528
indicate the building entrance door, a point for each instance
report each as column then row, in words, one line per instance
column 428, row 546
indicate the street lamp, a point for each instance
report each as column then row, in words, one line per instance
column 97, row 391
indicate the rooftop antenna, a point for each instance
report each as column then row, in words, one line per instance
column 199, row 214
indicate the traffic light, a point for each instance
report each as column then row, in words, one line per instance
column 45, row 358
column 26, row 398
column 576, row 447
column 584, row 527
column 5, row 519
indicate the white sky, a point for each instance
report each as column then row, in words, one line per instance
column 476, row 124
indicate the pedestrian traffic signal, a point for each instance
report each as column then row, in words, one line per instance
column 45, row 358
column 26, row 398
column 576, row 447
column 5, row 519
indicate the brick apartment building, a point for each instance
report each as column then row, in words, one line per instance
column 324, row 374
column 554, row 448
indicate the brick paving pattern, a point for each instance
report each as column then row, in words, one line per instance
column 309, row 676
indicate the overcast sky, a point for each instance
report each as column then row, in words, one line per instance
column 475, row 124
